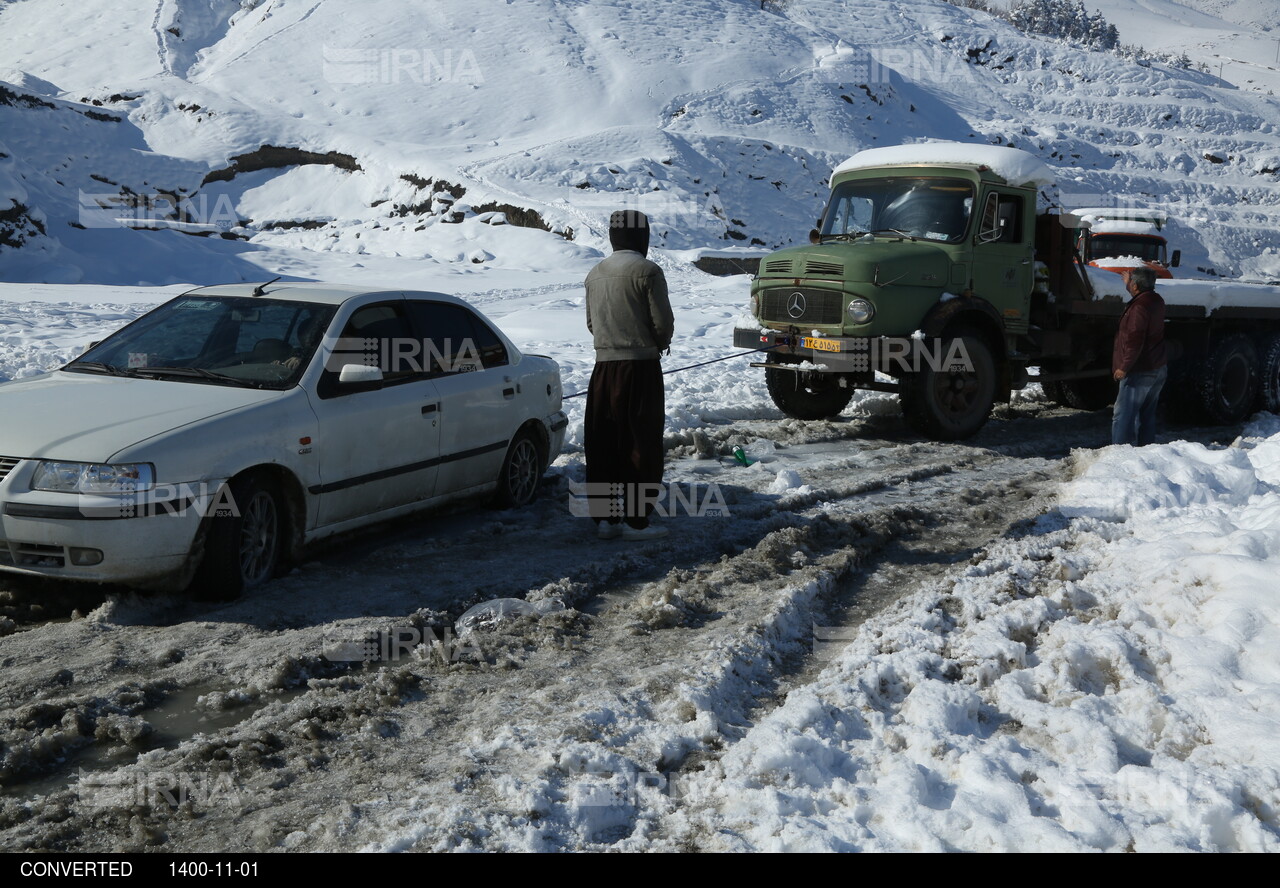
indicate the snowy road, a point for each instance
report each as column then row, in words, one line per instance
column 572, row 730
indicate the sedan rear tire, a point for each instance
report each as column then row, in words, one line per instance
column 521, row 471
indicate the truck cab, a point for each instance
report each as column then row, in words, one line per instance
column 1118, row 239
column 921, row 270
column 942, row 272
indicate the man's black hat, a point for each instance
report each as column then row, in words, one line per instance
column 629, row 230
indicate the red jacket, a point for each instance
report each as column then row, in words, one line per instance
column 1139, row 346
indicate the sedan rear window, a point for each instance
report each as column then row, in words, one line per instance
column 458, row 337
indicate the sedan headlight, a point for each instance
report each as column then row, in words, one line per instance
column 95, row 478
column 861, row 311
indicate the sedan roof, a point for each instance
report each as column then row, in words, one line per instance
column 313, row 291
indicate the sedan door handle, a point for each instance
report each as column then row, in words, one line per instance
column 430, row 408
column 508, row 393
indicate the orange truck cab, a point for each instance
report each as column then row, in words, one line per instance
column 1120, row 239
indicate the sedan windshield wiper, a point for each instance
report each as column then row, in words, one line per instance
column 97, row 367
column 199, row 373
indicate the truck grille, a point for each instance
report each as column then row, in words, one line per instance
column 7, row 465
column 778, row 266
column 824, row 268
column 819, row 306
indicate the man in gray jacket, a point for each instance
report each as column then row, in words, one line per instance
column 629, row 316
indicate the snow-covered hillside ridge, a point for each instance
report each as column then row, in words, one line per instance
column 418, row 130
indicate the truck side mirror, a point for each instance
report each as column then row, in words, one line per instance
column 815, row 236
column 1177, row 257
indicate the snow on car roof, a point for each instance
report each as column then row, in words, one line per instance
column 1014, row 165
column 314, row 291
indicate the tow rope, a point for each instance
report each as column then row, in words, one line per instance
column 750, row 351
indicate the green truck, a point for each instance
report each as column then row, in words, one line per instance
column 943, row 273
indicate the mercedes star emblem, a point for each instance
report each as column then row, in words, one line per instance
column 796, row 305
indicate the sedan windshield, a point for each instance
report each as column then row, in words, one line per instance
column 254, row 342
column 933, row 209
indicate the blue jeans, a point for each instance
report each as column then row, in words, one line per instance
column 1134, row 420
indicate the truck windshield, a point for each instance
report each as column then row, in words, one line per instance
column 252, row 342
column 929, row 208
column 1105, row 246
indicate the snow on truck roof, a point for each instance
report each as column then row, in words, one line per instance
column 1121, row 214
column 1014, row 165
column 1111, row 226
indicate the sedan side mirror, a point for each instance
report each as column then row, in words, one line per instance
column 360, row 376
column 356, row 373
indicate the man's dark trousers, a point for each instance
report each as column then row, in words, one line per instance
column 623, row 433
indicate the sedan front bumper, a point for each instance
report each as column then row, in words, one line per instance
column 143, row 540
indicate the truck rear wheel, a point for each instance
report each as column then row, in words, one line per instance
column 1269, row 394
column 1229, row 386
column 805, row 395
column 951, row 403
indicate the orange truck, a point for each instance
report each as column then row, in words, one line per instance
column 1120, row 239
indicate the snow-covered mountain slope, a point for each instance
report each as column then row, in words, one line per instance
column 1235, row 41
column 416, row 130
column 1256, row 13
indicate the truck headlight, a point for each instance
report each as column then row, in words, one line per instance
column 861, row 311
column 95, row 478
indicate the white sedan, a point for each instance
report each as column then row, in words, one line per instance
column 215, row 437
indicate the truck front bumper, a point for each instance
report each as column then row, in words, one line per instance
column 833, row 354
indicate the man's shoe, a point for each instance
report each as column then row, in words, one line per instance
column 640, row 534
column 607, row 531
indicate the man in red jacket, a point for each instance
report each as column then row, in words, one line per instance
column 1138, row 361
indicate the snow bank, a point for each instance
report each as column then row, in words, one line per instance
column 1139, row 481
column 1107, row 682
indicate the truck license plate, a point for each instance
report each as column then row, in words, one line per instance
column 826, row 345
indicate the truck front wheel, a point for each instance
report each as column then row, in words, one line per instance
column 1230, row 382
column 952, row 402
column 802, row 395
